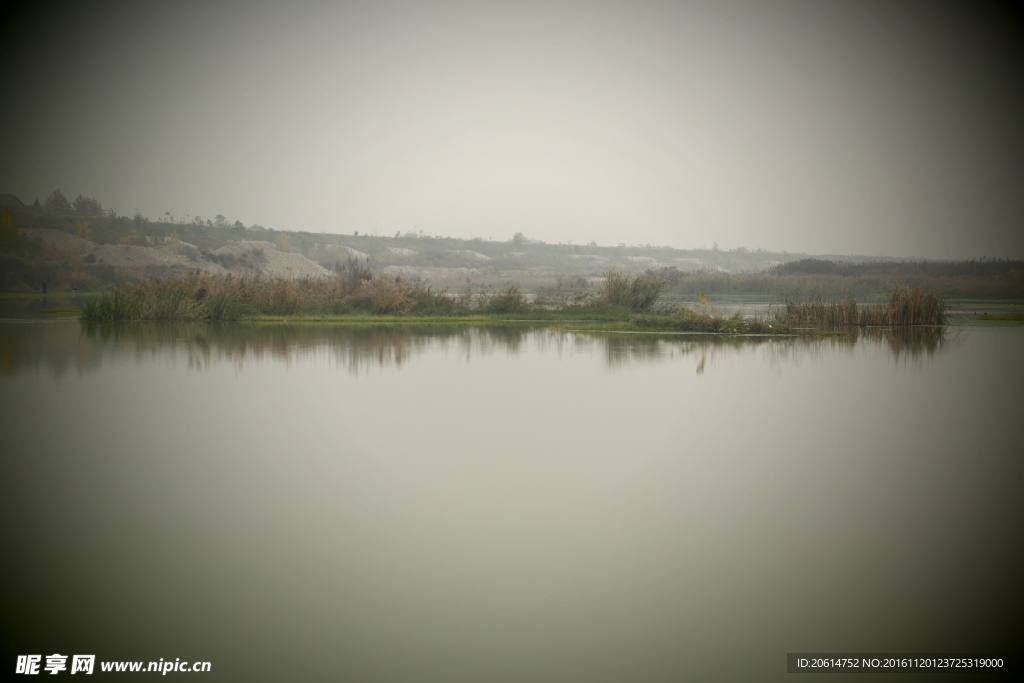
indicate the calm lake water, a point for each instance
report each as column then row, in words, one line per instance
column 507, row 503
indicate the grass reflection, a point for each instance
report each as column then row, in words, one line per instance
column 63, row 346
column 353, row 346
column 910, row 342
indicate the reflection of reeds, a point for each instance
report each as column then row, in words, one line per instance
column 69, row 347
column 904, row 307
column 352, row 346
column 908, row 341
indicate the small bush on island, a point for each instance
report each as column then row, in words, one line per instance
column 389, row 295
column 636, row 292
column 507, row 301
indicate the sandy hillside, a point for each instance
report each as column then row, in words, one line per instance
column 245, row 257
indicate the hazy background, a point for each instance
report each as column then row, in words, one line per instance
column 870, row 127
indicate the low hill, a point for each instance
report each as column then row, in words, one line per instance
column 81, row 243
column 243, row 257
column 12, row 203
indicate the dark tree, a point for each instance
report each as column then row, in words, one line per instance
column 87, row 206
column 57, row 203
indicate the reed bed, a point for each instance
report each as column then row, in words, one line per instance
column 905, row 306
column 819, row 312
column 189, row 298
column 206, row 297
column 636, row 292
column 352, row 290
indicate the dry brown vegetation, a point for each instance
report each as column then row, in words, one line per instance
column 905, row 306
column 354, row 289
column 229, row 297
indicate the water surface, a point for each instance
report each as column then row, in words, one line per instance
column 507, row 503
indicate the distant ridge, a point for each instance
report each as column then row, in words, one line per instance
column 9, row 201
column 258, row 259
column 102, row 248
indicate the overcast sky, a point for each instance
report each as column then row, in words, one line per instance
column 875, row 128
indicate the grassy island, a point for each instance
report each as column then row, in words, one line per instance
column 624, row 302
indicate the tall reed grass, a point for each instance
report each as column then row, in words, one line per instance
column 355, row 290
column 193, row 297
column 905, row 306
column 351, row 290
column 636, row 292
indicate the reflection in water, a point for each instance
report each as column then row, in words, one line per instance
column 61, row 345
column 36, row 307
column 55, row 345
column 355, row 347
column 910, row 342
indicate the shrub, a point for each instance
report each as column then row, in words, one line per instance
column 508, row 300
column 635, row 292
column 389, row 294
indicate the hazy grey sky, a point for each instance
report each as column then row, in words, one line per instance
column 825, row 127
